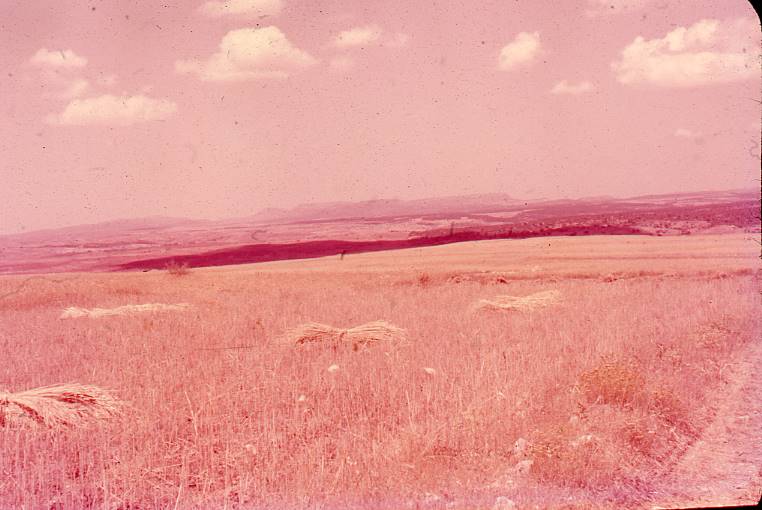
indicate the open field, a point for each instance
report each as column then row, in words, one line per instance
column 615, row 393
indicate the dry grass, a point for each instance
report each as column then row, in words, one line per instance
column 74, row 312
column 607, row 390
column 520, row 303
column 175, row 268
column 482, row 277
column 362, row 335
column 613, row 382
column 57, row 405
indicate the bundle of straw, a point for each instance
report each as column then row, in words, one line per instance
column 521, row 304
column 74, row 312
column 57, row 405
column 364, row 334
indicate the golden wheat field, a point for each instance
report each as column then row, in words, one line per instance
column 599, row 389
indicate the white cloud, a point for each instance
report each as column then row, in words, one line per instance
column 65, row 59
column 60, row 73
column 113, row 110
column 358, row 36
column 249, row 53
column 564, row 87
column 709, row 51
column 242, row 8
column 521, row 51
column 686, row 133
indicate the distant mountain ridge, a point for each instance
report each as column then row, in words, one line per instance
column 380, row 208
column 366, row 210
column 315, row 229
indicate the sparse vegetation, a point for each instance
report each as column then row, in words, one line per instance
column 175, row 268
column 593, row 400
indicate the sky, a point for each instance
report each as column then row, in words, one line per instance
column 214, row 109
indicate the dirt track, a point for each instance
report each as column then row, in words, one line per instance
column 724, row 467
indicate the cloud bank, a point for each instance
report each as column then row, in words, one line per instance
column 247, row 54
column 113, row 110
column 61, row 59
column 707, row 52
